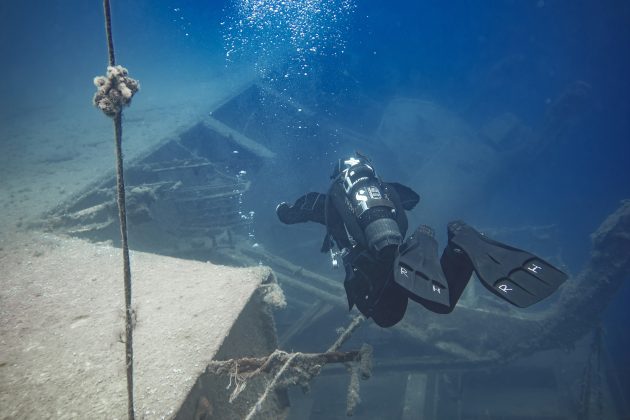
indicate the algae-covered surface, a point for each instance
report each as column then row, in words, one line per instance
column 62, row 306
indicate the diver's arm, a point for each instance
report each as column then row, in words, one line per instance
column 408, row 197
column 308, row 208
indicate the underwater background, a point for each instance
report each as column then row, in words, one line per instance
column 552, row 76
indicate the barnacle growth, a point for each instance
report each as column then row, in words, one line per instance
column 114, row 91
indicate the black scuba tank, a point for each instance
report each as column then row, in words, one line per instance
column 370, row 217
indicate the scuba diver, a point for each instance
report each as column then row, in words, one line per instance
column 365, row 220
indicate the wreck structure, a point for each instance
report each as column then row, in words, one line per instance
column 202, row 192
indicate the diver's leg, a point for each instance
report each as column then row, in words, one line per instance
column 370, row 286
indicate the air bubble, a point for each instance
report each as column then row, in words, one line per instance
column 277, row 32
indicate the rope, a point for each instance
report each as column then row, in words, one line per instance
column 120, row 183
column 353, row 391
column 108, row 33
column 258, row 406
column 345, row 335
column 115, row 91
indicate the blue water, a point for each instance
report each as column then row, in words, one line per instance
column 347, row 58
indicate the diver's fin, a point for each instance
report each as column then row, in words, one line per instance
column 512, row 274
column 417, row 269
column 408, row 197
column 308, row 208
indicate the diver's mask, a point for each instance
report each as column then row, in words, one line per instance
column 367, row 200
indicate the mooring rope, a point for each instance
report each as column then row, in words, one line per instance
column 257, row 408
column 115, row 91
column 108, row 33
column 364, row 357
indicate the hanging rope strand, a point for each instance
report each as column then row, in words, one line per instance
column 126, row 265
column 115, row 91
column 108, row 33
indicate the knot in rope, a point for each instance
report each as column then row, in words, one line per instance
column 114, row 91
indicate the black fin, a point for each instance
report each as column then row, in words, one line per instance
column 308, row 208
column 408, row 197
column 515, row 275
column 417, row 270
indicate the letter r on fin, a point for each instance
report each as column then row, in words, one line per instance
column 504, row 288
